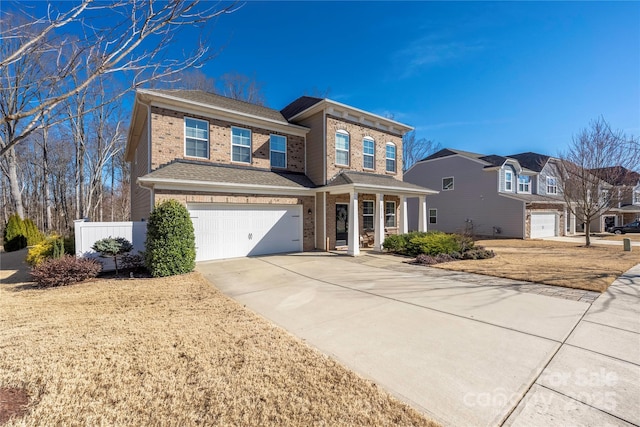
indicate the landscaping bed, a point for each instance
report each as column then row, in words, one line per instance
column 171, row 351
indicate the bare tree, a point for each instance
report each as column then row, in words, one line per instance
column 188, row 80
column 138, row 35
column 414, row 150
column 242, row 87
column 590, row 170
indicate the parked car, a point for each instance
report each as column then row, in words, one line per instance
column 632, row 227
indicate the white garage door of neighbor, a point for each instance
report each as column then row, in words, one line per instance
column 543, row 225
column 232, row 231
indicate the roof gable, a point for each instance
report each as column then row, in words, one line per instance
column 531, row 161
column 299, row 105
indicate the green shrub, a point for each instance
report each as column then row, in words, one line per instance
column 170, row 244
column 478, row 253
column 64, row 271
column 51, row 247
column 112, row 247
column 70, row 245
column 15, row 235
column 394, row 243
column 433, row 243
column 33, row 235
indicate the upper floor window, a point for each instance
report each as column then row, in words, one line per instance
column 240, row 145
column 278, row 151
column 508, row 181
column 552, row 185
column 391, row 157
column 636, row 197
column 447, row 183
column 342, row 148
column 433, row 216
column 368, row 152
column 524, row 184
column 367, row 214
column 389, row 214
column 196, row 138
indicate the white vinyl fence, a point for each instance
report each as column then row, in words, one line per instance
column 87, row 233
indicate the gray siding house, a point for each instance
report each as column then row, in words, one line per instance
column 491, row 195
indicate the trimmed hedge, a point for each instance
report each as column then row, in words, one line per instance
column 171, row 242
column 51, row 247
column 434, row 247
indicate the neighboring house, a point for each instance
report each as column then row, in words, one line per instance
column 316, row 175
column 490, row 195
column 625, row 185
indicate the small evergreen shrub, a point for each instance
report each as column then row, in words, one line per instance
column 170, row 244
column 478, row 253
column 65, row 271
column 433, row 243
column 394, row 243
column 70, row 245
column 15, row 235
column 112, row 247
column 51, row 247
column 33, row 235
column 132, row 261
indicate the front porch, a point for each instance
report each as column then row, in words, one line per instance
column 355, row 206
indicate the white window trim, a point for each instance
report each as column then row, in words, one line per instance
column 250, row 145
column 549, row 185
column 433, row 216
column 348, row 150
column 395, row 209
column 276, row 151
column 452, row 183
column 395, row 159
column 368, row 215
column 528, row 190
column 364, row 155
column 510, row 180
column 199, row 139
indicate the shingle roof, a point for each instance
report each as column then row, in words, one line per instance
column 534, row 198
column 530, row 160
column 215, row 173
column 363, row 178
column 446, row 152
column 493, row 159
column 223, row 102
column 298, row 106
column 617, row 175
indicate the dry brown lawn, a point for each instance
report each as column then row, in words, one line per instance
column 634, row 237
column 554, row 263
column 171, row 351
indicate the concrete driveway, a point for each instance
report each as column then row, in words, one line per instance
column 464, row 349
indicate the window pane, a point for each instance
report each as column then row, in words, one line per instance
column 241, row 154
column 342, row 157
column 342, row 141
column 368, row 162
column 447, row 183
column 278, row 143
column 278, row 160
column 433, row 216
column 391, row 165
column 241, row 137
column 368, row 147
column 391, row 151
column 390, row 214
column 367, row 207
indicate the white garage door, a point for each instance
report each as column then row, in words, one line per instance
column 543, row 224
column 231, row 231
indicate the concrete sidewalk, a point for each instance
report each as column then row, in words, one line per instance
column 464, row 349
column 595, row 240
column 594, row 379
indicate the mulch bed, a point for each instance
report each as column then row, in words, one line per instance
column 13, row 403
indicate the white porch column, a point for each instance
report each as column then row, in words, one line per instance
column 404, row 224
column 378, row 226
column 572, row 223
column 422, row 213
column 354, row 227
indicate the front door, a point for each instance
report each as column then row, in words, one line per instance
column 342, row 223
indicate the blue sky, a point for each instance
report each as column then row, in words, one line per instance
column 498, row 78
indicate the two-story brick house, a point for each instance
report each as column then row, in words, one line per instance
column 505, row 196
column 315, row 175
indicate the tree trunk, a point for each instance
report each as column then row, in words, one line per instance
column 587, row 232
column 48, row 223
column 14, row 184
